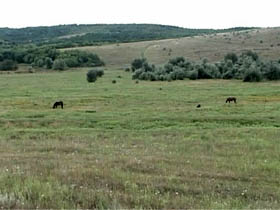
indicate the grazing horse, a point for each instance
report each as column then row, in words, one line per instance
column 198, row 106
column 58, row 103
column 229, row 99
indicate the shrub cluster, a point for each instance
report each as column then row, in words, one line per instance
column 76, row 58
column 48, row 57
column 247, row 67
column 8, row 65
column 138, row 63
column 176, row 69
column 93, row 74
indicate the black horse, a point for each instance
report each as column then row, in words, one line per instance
column 229, row 99
column 58, row 103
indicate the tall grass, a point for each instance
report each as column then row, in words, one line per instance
column 145, row 145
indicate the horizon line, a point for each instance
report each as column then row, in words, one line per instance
column 69, row 24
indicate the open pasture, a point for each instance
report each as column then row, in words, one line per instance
column 145, row 145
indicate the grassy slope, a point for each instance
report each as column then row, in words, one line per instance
column 266, row 42
column 128, row 145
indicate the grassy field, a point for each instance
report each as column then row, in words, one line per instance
column 145, row 145
column 265, row 42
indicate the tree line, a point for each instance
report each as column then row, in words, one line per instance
column 48, row 58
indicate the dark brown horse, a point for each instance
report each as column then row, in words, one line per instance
column 58, row 103
column 229, row 99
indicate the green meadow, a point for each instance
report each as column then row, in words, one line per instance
column 137, row 145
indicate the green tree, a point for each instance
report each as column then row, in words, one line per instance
column 252, row 75
column 59, row 64
column 48, row 62
column 231, row 56
column 251, row 54
column 138, row 63
column 92, row 76
column 8, row 65
column 272, row 71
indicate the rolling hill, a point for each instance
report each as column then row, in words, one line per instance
column 264, row 41
column 81, row 35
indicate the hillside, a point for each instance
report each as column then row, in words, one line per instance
column 265, row 41
column 81, row 35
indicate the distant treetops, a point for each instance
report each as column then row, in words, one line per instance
column 64, row 36
column 247, row 67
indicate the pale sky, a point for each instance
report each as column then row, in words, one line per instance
column 184, row 13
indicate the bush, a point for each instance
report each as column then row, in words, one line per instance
column 29, row 58
column 76, row 58
column 228, row 75
column 147, row 76
column 212, row 70
column 251, row 54
column 203, row 74
column 231, row 56
column 137, row 74
column 39, row 62
column 99, row 72
column 168, row 68
column 92, row 76
column 138, row 63
column 168, row 77
column 72, row 62
column 272, row 71
column 193, row 75
column 177, row 61
column 178, row 74
column 252, row 75
column 48, row 62
column 148, row 68
column 8, row 65
column 59, row 64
